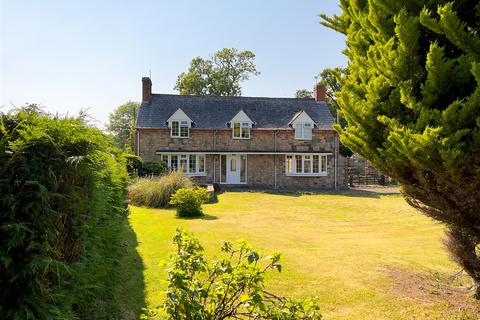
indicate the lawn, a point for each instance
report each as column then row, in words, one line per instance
column 366, row 256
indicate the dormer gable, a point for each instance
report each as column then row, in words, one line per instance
column 241, row 124
column 301, row 117
column 179, row 115
column 179, row 124
column 303, row 125
column 241, row 116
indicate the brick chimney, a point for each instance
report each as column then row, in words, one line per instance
column 319, row 92
column 146, row 89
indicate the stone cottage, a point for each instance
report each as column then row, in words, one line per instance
column 252, row 141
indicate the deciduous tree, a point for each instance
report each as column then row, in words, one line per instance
column 221, row 75
column 122, row 123
column 412, row 103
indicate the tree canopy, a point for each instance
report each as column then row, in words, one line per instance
column 303, row 94
column 411, row 99
column 122, row 123
column 221, row 75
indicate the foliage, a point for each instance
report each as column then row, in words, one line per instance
column 229, row 288
column 62, row 202
column 122, row 123
column 303, row 94
column 330, row 78
column 188, row 201
column 156, row 192
column 134, row 164
column 412, row 103
column 152, row 168
column 220, row 75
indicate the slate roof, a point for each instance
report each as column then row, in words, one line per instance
column 214, row 112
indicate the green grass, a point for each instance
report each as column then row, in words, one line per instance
column 336, row 247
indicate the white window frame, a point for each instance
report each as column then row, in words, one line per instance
column 242, row 125
column 291, row 161
column 182, row 156
column 181, row 124
column 301, row 130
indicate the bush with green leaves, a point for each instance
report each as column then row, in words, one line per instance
column 188, row 201
column 62, row 204
column 155, row 192
column 231, row 287
column 134, row 164
column 152, row 168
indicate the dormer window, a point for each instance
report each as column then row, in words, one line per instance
column 241, row 130
column 303, row 125
column 179, row 124
column 303, row 131
column 241, row 125
column 179, row 129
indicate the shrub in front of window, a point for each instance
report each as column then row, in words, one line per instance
column 134, row 164
column 230, row 287
column 155, row 192
column 152, row 168
column 188, row 201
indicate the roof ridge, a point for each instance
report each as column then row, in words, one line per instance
column 228, row 97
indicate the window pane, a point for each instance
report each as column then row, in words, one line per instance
column 192, row 163
column 298, row 163
column 324, row 163
column 183, row 163
column 245, row 132
column 223, row 168
column 201, row 163
column 307, row 133
column 164, row 159
column 184, row 131
column 233, row 164
column 174, row 162
column 289, row 164
column 316, row 164
column 298, row 131
column 236, row 130
column 307, row 166
column 175, row 130
column 243, row 168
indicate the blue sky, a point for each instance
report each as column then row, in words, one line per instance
column 69, row 55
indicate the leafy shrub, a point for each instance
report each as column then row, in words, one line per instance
column 188, row 201
column 134, row 164
column 152, row 168
column 62, row 203
column 228, row 288
column 155, row 192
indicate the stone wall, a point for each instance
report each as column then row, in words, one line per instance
column 262, row 170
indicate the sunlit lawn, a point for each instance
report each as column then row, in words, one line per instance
column 340, row 248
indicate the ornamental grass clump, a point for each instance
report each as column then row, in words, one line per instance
column 188, row 201
column 155, row 192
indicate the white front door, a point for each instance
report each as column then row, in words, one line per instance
column 233, row 169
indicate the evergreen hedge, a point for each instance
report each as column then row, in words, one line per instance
column 62, row 204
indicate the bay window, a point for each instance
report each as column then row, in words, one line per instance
column 306, row 165
column 193, row 164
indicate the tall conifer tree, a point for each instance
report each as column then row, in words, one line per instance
column 412, row 103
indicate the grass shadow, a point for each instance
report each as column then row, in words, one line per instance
column 204, row 217
column 130, row 285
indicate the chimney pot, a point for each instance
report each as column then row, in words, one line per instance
column 146, row 89
column 319, row 92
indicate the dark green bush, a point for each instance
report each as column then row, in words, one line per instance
column 155, row 192
column 62, row 203
column 152, row 168
column 134, row 164
column 188, row 201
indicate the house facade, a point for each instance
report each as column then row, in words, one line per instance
column 253, row 141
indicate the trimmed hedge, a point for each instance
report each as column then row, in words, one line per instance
column 62, row 204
